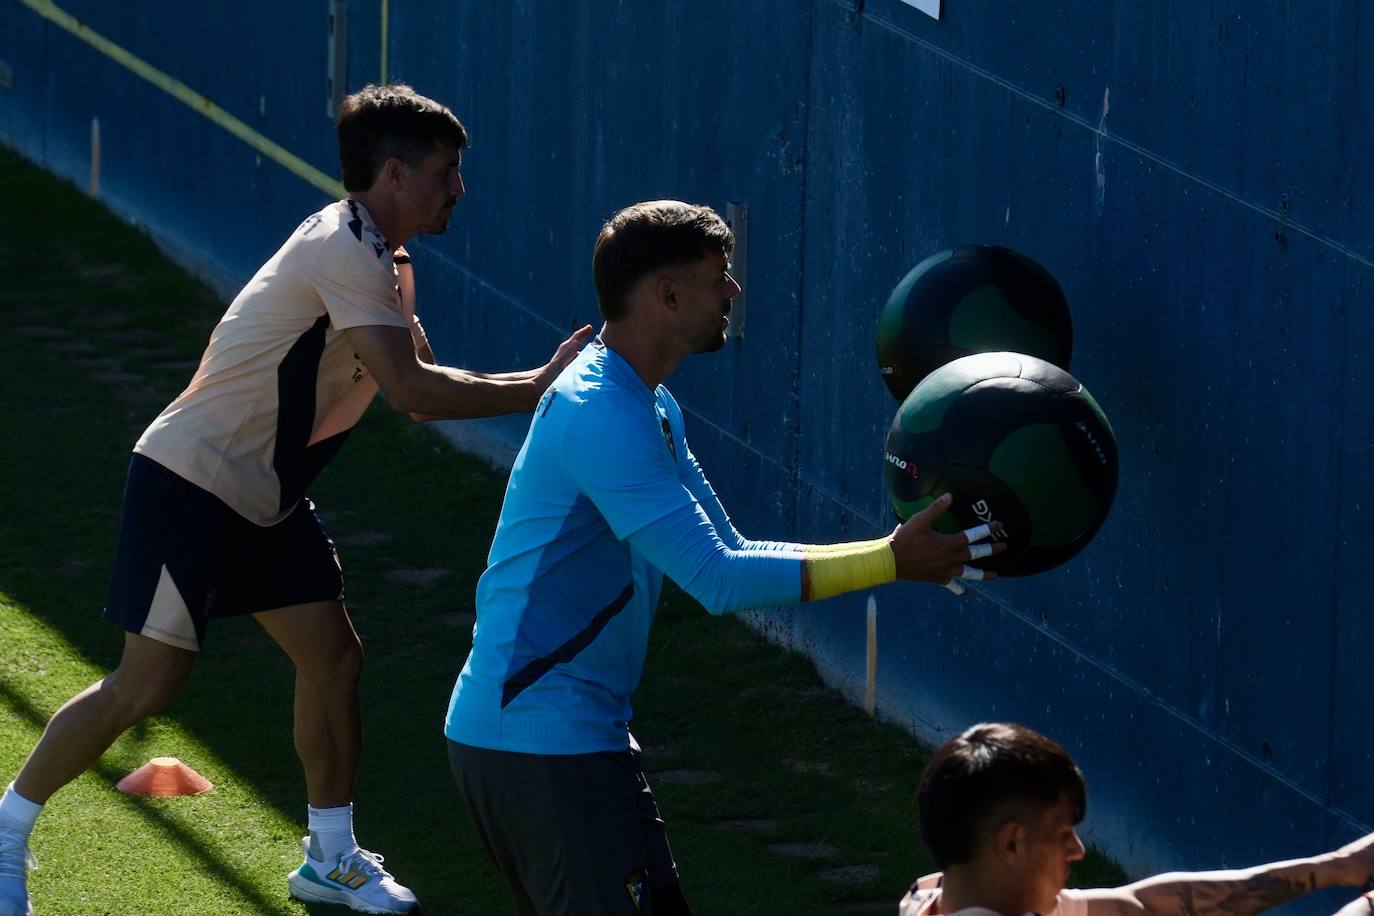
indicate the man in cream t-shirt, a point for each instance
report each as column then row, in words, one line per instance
column 998, row 808
column 216, row 521
column 280, row 385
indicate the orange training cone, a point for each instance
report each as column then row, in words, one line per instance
column 163, row 776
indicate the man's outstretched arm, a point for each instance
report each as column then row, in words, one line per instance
column 628, row 473
column 1237, row 892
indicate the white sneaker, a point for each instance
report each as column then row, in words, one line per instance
column 355, row 879
column 15, row 863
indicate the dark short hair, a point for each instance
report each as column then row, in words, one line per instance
column 378, row 123
column 978, row 775
column 650, row 236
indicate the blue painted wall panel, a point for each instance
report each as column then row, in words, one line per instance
column 585, row 161
column 1199, row 187
column 22, row 105
column 1229, row 92
column 164, row 163
column 1352, row 688
column 1200, row 359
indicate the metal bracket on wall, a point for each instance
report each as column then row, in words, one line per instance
column 737, row 218
column 336, row 70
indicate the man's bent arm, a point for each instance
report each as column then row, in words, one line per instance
column 520, row 375
column 436, row 391
column 425, row 354
column 417, row 387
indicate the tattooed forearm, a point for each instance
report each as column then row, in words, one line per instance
column 1230, row 897
column 1253, row 896
column 1238, row 892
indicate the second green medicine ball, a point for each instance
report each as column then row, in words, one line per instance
column 970, row 299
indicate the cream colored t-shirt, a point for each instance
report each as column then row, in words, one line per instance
column 279, row 388
column 924, row 895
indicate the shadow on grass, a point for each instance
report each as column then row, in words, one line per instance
column 272, row 780
column 155, row 819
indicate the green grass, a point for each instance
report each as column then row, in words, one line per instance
column 97, row 332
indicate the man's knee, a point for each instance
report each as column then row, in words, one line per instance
column 348, row 661
column 338, row 664
column 136, row 695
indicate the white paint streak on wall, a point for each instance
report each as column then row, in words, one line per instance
column 1099, row 169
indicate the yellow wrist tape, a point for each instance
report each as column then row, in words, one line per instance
column 838, row 568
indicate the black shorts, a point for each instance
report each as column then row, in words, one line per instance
column 572, row 834
column 184, row 557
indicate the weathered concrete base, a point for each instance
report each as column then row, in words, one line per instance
column 496, row 440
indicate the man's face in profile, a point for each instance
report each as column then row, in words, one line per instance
column 436, row 189
column 707, row 289
column 1051, row 847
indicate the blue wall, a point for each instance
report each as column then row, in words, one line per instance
column 1192, row 173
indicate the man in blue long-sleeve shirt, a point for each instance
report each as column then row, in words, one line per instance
column 604, row 499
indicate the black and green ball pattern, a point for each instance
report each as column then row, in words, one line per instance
column 970, row 299
column 1015, row 439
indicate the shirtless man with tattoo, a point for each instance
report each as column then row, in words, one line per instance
column 998, row 806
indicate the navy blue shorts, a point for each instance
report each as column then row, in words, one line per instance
column 185, row 557
column 571, row 834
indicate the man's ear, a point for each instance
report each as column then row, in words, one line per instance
column 665, row 290
column 1009, row 842
column 393, row 173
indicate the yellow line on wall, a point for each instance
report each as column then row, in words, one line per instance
column 192, row 99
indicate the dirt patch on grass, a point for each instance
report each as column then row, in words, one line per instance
column 41, row 332
column 849, row 874
column 814, row 767
column 802, row 850
column 362, row 538
column 687, row 777
column 746, row 823
column 115, row 377
column 413, row 576
column 130, row 335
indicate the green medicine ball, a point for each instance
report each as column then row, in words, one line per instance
column 970, row 299
column 1015, row 439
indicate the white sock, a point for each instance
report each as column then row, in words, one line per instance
column 331, row 830
column 17, row 813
